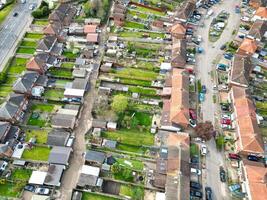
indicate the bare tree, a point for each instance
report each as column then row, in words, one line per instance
column 204, row 130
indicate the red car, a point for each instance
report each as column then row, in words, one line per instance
column 226, row 121
column 192, row 114
column 234, row 156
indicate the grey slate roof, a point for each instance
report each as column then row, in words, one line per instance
column 87, row 180
column 54, row 175
column 46, row 43
column 63, row 121
column 95, row 156
column 57, row 138
column 79, row 83
column 16, row 99
column 110, row 144
column 24, row 84
column 4, row 126
column 8, row 110
column 258, row 29
column 59, row 155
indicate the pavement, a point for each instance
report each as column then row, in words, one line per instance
column 209, row 109
column 13, row 29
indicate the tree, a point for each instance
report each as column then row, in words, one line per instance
column 204, row 130
column 119, row 103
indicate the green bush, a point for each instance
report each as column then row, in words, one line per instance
column 42, row 11
column 220, row 142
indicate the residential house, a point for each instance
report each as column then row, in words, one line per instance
column 253, row 179
column 5, row 151
column 77, row 88
column 8, row 134
column 95, row 158
column 13, row 109
column 89, row 28
column 118, row 14
column 178, row 58
column 240, row 71
column 49, row 45
column 96, row 123
column 186, row 12
column 92, row 38
column 41, row 62
column 60, row 155
column 257, row 3
column 57, row 137
column 248, row 136
column 258, row 31
column 178, row 31
column 55, row 29
column 176, row 107
column 24, row 84
column 261, row 13
column 247, row 47
column 64, row 14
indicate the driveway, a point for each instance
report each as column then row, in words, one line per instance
column 210, row 110
column 12, row 30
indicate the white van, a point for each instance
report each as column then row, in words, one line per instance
column 195, row 171
column 70, row 141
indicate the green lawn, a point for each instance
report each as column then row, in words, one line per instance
column 59, row 72
column 132, row 148
column 5, row 90
column 70, row 55
column 143, row 91
column 5, row 11
column 131, row 137
column 40, row 135
column 10, row 189
column 135, row 164
column 54, row 94
column 149, row 11
column 26, row 43
column 94, row 196
column 36, row 153
column 41, row 22
column 135, row 82
column 137, row 74
column 135, row 25
column 10, row 80
column 36, row 121
column 140, row 34
column 68, row 65
column 61, row 83
column 138, row 14
column 43, row 107
column 36, row 36
column 133, row 192
column 25, row 50
column 17, row 65
column 21, row 174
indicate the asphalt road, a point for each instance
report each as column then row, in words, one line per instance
column 210, row 110
column 12, row 30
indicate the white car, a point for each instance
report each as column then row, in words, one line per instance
column 195, row 171
column 225, row 116
column 4, row 165
column 203, row 150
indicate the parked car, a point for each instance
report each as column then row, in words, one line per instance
column 222, row 174
column 221, row 67
column 15, row 14
column 253, row 158
column 195, row 159
column 195, row 171
column 4, row 165
column 201, row 97
column 203, row 149
column 203, row 89
column 195, row 193
column 234, row 156
column 30, row 188
column 193, row 123
column 226, row 121
column 223, row 47
column 226, row 116
column 228, row 56
column 225, row 107
column 70, row 141
column 42, row 190
column 195, row 185
column 192, row 114
column 208, row 193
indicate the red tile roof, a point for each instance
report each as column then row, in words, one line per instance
column 250, row 140
column 89, row 28
column 92, row 37
column 261, row 12
column 248, row 46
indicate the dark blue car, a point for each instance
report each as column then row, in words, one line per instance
column 228, row 56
